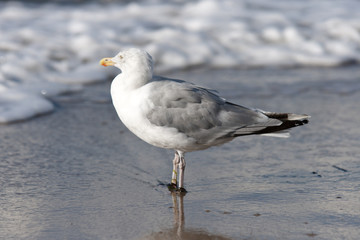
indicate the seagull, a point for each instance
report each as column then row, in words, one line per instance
column 175, row 114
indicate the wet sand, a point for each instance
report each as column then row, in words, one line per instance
column 78, row 173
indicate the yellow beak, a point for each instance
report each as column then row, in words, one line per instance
column 106, row 62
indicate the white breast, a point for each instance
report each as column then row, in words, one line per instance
column 132, row 107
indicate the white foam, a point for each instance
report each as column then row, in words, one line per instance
column 63, row 43
column 17, row 105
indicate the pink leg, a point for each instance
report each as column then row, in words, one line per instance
column 182, row 165
column 176, row 162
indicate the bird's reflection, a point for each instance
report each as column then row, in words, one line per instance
column 179, row 232
column 179, row 217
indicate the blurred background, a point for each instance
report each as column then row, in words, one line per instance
column 78, row 173
column 49, row 48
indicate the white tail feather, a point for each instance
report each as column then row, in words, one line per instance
column 281, row 134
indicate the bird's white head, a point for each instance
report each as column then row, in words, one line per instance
column 132, row 59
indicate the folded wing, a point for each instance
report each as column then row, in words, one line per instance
column 203, row 115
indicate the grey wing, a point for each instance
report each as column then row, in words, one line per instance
column 201, row 114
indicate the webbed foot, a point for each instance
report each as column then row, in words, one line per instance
column 172, row 187
column 181, row 190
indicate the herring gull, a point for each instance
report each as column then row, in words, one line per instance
column 175, row 114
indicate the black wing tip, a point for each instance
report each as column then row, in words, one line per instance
column 305, row 121
column 289, row 120
column 288, row 116
column 300, row 122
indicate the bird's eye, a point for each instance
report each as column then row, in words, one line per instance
column 121, row 57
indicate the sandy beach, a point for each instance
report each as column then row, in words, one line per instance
column 78, row 173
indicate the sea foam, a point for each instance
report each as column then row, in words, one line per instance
column 52, row 47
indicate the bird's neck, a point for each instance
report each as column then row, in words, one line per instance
column 134, row 78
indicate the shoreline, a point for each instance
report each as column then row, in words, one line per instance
column 78, row 173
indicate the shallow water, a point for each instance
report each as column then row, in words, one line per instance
column 78, row 173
